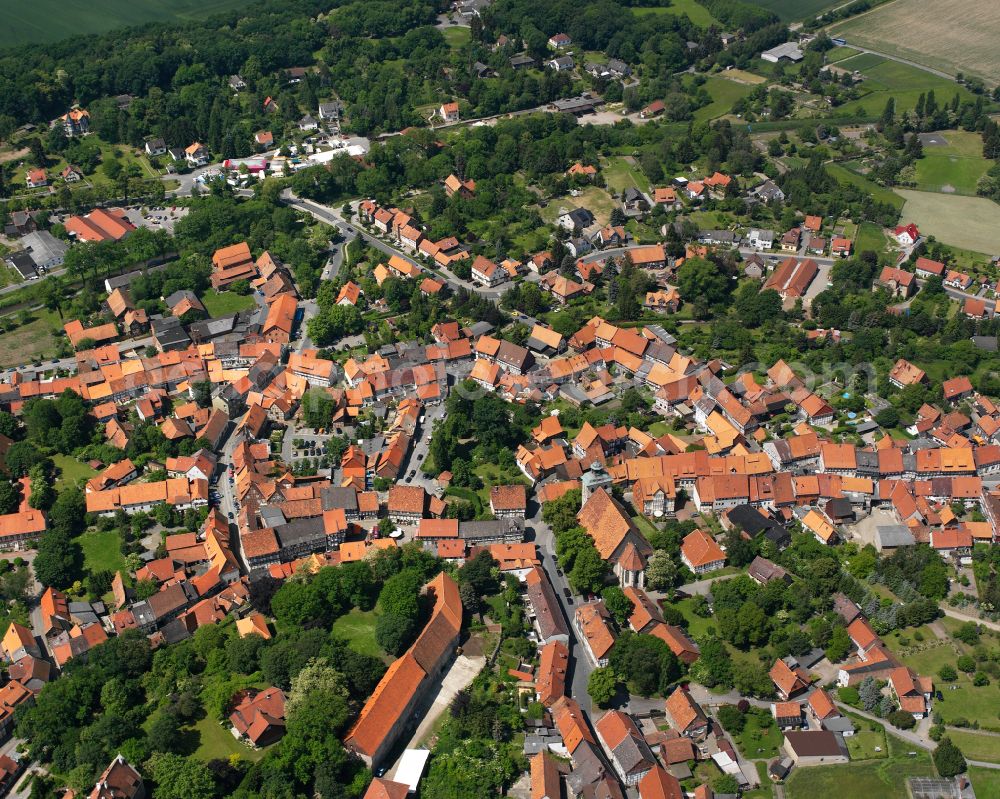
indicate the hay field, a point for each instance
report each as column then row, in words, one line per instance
column 52, row 20
column 949, row 35
column 972, row 223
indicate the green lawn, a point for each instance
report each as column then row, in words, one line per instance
column 457, row 36
column 358, row 627
column 594, row 199
column 757, row 741
column 884, row 779
column 697, row 626
column 34, row 339
column 865, row 741
column 223, row 303
column 619, row 175
column 724, row 93
column 102, row 551
column 216, row 742
column 71, row 471
column 870, row 237
column 52, row 20
column 985, row 781
column 966, row 701
column 977, row 746
column 955, row 167
column 930, row 660
column 981, row 704
column 646, row 527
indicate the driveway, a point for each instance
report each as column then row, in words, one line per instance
column 460, row 675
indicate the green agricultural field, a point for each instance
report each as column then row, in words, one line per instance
column 884, row 79
column 724, row 93
column 955, row 167
column 791, row 10
column 698, row 14
column 838, row 54
column 358, row 629
column 102, row 551
column 903, row 28
column 52, row 20
column 71, row 471
column 972, row 223
column 976, row 745
column 223, row 303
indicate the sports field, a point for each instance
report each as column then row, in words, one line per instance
column 52, row 20
column 972, row 223
column 949, row 35
column 953, row 162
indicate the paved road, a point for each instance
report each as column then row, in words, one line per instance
column 187, row 180
column 957, row 614
column 581, row 666
column 700, row 587
column 332, row 216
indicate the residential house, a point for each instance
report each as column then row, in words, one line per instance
column 36, row 178
column 897, row 282
column 259, row 716
column 593, row 623
column 788, row 681
column 701, row 554
column 575, row 219
column 508, row 502
column 907, row 235
column 927, row 268
column 196, row 155
column 904, row 374
column 625, row 746
column 120, row 780
column 685, row 716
